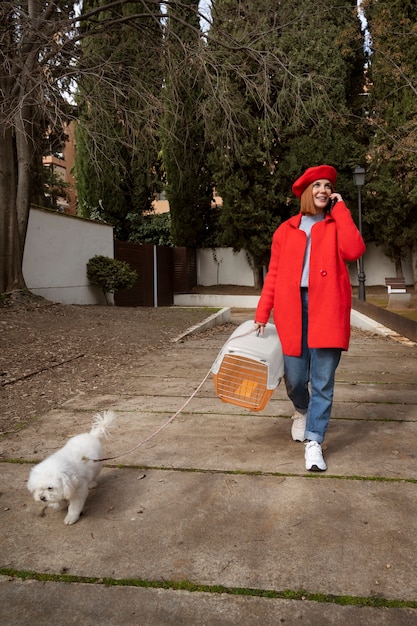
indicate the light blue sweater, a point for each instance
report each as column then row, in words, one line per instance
column 307, row 223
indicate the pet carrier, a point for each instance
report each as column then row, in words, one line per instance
column 249, row 367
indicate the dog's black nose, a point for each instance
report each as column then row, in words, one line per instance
column 43, row 498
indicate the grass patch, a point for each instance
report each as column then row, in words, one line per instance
column 224, row 472
column 381, row 300
column 185, row 585
column 408, row 313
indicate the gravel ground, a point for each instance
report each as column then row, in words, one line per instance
column 50, row 352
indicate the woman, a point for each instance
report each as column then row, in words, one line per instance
column 308, row 287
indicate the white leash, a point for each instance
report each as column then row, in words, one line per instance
column 160, row 429
column 171, row 419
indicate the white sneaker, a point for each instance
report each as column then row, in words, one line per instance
column 298, row 427
column 314, row 457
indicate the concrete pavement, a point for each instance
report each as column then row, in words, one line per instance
column 215, row 520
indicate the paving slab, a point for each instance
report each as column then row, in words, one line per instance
column 344, row 406
column 234, row 443
column 220, row 501
column 238, row 530
column 33, row 602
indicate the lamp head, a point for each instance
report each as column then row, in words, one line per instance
column 359, row 176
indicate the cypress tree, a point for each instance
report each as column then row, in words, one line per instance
column 119, row 108
column 184, row 147
column 246, row 138
column 323, row 45
column 391, row 200
column 306, row 59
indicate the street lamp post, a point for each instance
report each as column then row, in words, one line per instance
column 359, row 181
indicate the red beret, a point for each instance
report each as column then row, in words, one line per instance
column 312, row 174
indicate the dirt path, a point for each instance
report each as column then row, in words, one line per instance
column 50, row 352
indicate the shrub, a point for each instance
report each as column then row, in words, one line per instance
column 110, row 274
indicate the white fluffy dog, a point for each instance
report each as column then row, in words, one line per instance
column 64, row 477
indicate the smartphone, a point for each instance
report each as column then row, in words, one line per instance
column 330, row 204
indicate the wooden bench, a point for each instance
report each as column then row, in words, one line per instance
column 395, row 285
column 398, row 298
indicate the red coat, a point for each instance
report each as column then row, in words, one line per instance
column 334, row 241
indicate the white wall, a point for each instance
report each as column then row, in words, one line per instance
column 377, row 267
column 58, row 247
column 222, row 266
column 57, row 250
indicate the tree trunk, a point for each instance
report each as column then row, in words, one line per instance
column 258, row 277
column 27, row 153
column 414, row 264
column 19, row 125
column 11, row 243
column 398, row 268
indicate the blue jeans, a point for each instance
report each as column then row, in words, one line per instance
column 316, row 366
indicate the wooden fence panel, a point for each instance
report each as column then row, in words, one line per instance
column 185, row 269
column 140, row 258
